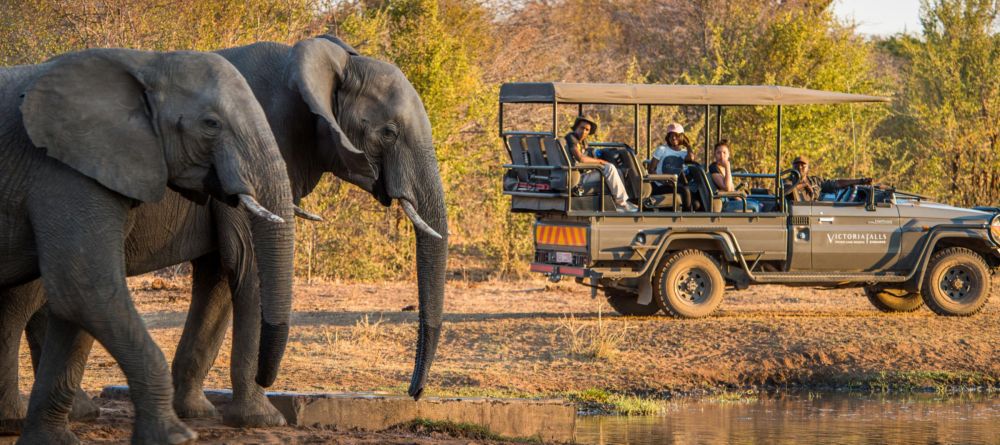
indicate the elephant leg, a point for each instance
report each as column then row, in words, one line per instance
column 82, row 263
column 250, row 407
column 60, row 368
column 204, row 331
column 16, row 306
column 84, row 408
column 117, row 325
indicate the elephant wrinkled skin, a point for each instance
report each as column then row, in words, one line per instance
column 88, row 139
column 331, row 110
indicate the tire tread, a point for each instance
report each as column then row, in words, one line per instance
column 935, row 259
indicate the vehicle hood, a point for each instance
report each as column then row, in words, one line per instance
column 944, row 213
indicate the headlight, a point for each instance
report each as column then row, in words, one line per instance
column 995, row 229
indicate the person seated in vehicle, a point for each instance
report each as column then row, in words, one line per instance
column 811, row 188
column 722, row 180
column 576, row 145
column 671, row 156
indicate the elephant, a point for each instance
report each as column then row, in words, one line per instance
column 88, row 142
column 330, row 110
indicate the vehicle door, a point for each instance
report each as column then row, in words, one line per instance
column 854, row 237
column 800, row 242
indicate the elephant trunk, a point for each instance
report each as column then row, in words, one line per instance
column 260, row 179
column 274, row 244
column 432, row 258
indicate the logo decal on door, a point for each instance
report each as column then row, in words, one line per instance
column 857, row 238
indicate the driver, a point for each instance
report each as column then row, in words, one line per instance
column 576, row 144
column 810, row 188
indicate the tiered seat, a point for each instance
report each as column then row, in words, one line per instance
column 541, row 176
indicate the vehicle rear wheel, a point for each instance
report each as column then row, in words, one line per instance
column 957, row 282
column 625, row 303
column 688, row 284
column 893, row 300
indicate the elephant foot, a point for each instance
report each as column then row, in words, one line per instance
column 48, row 436
column 252, row 412
column 84, row 408
column 11, row 426
column 12, row 416
column 159, row 432
column 193, row 405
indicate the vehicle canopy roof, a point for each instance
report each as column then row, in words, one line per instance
column 645, row 94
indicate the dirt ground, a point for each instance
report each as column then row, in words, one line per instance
column 531, row 338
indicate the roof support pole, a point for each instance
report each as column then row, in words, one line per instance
column 500, row 119
column 635, row 127
column 708, row 110
column 649, row 125
column 718, row 124
column 555, row 117
column 779, row 196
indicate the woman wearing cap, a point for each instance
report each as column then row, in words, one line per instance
column 675, row 152
column 671, row 155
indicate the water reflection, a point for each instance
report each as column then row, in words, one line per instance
column 842, row 419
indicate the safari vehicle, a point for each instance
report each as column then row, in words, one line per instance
column 680, row 252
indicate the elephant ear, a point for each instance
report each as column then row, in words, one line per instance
column 317, row 70
column 336, row 41
column 89, row 110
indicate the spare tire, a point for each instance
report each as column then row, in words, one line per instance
column 625, row 303
column 893, row 300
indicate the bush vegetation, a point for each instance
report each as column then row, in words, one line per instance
column 938, row 136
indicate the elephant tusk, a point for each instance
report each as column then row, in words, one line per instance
column 254, row 207
column 418, row 222
column 302, row 213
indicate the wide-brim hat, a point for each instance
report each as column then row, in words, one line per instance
column 593, row 125
column 800, row 160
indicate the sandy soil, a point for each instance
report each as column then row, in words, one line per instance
column 531, row 337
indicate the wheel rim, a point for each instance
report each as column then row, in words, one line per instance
column 959, row 283
column 693, row 286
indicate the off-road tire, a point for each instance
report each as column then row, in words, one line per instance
column 893, row 300
column 688, row 284
column 957, row 282
column 625, row 303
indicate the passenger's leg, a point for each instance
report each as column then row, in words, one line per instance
column 615, row 184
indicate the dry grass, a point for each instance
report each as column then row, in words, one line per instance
column 366, row 331
column 599, row 341
column 532, row 338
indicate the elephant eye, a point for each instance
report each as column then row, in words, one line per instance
column 211, row 123
column 389, row 134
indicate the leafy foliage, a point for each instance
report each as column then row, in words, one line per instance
column 939, row 136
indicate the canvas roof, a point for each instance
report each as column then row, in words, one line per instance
column 642, row 94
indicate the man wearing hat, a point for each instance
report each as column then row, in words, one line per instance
column 576, row 144
column 810, row 188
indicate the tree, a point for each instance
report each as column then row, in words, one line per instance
column 950, row 103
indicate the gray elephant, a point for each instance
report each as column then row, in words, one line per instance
column 331, row 110
column 87, row 140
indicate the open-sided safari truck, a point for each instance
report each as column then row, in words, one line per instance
column 679, row 252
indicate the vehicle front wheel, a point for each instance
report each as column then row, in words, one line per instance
column 957, row 282
column 688, row 284
column 893, row 300
column 625, row 303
